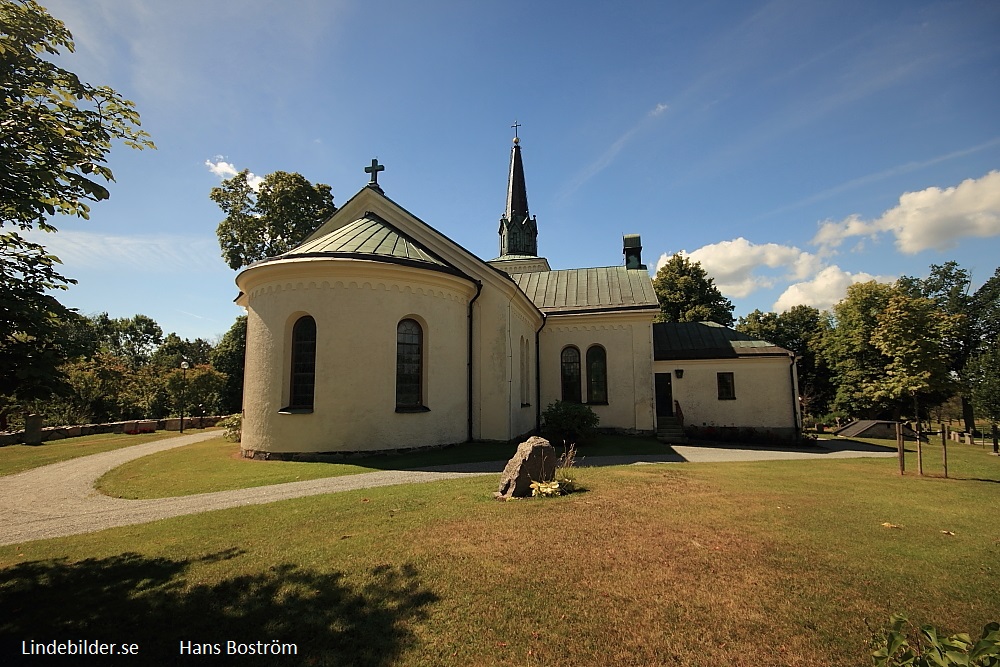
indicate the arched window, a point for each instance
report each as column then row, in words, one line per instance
column 303, row 380
column 571, row 374
column 597, row 375
column 409, row 364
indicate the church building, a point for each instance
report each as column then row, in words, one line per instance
column 378, row 332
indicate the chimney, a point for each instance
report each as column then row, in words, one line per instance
column 632, row 248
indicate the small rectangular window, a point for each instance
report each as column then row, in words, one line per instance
column 727, row 387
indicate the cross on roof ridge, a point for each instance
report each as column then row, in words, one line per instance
column 374, row 170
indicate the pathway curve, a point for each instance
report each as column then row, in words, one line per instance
column 59, row 499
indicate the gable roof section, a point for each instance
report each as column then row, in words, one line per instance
column 708, row 340
column 369, row 235
column 369, row 199
column 607, row 288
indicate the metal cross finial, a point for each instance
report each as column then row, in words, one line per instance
column 374, row 170
column 515, row 126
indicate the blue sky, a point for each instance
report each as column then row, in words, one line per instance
column 792, row 147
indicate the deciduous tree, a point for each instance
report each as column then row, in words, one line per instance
column 175, row 349
column 919, row 339
column 948, row 286
column 855, row 362
column 196, row 391
column 272, row 220
column 985, row 312
column 57, row 130
column 687, row 294
column 982, row 377
column 132, row 339
column 55, row 134
column 228, row 357
column 35, row 329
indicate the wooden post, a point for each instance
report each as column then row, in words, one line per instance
column 920, row 452
column 944, row 448
column 996, row 449
column 899, row 447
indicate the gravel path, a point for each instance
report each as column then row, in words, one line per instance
column 60, row 499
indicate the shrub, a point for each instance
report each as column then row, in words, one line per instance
column 568, row 422
column 902, row 645
column 234, row 427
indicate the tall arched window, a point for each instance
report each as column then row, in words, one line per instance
column 409, row 364
column 597, row 375
column 570, row 359
column 303, row 380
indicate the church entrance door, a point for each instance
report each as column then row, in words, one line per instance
column 664, row 395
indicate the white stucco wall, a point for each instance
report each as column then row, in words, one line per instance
column 503, row 316
column 628, row 341
column 357, row 306
column 765, row 393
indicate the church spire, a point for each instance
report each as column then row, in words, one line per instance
column 518, row 230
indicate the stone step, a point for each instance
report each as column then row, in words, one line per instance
column 669, row 431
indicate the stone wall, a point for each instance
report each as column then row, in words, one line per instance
column 131, row 427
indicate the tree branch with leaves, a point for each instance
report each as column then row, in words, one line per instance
column 687, row 294
column 270, row 220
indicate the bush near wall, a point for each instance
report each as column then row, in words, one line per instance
column 568, row 422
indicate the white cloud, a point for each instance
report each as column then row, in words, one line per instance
column 224, row 169
column 827, row 288
column 221, row 168
column 660, row 108
column 737, row 265
column 831, row 234
column 933, row 218
column 159, row 254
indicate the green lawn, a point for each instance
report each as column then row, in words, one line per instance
column 17, row 458
column 220, row 467
column 771, row 563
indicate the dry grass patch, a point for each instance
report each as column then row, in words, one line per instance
column 772, row 563
column 626, row 570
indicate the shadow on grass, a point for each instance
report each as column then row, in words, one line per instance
column 823, row 446
column 488, row 457
column 152, row 602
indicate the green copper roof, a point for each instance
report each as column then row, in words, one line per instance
column 585, row 290
column 368, row 235
column 707, row 340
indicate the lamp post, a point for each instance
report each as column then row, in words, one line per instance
column 184, row 370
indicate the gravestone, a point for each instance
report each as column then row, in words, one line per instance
column 534, row 461
column 33, row 430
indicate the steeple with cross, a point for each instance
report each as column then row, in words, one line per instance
column 518, row 229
